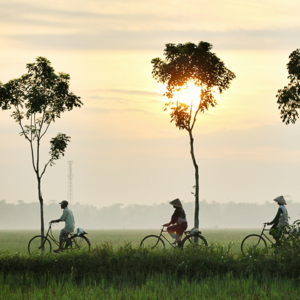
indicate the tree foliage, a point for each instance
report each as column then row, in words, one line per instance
column 288, row 98
column 39, row 97
column 185, row 63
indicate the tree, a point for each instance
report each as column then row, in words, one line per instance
column 289, row 97
column 196, row 64
column 38, row 99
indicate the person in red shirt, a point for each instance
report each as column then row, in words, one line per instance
column 179, row 220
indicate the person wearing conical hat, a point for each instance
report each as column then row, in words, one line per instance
column 280, row 221
column 179, row 220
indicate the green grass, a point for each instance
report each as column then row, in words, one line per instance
column 126, row 271
column 154, row 287
column 17, row 240
column 137, row 263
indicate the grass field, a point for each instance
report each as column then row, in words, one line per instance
column 17, row 240
column 122, row 273
column 158, row 287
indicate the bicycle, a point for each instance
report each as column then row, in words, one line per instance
column 255, row 240
column 41, row 245
column 155, row 241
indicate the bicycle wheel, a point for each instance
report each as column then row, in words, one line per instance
column 152, row 241
column 35, row 246
column 189, row 241
column 253, row 241
column 79, row 243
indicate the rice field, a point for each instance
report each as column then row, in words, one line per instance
column 15, row 241
column 159, row 285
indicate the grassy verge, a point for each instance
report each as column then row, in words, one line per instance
column 154, row 287
column 136, row 264
column 214, row 272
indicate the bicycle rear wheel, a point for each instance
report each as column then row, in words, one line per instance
column 79, row 243
column 189, row 241
column 152, row 241
column 39, row 245
column 253, row 241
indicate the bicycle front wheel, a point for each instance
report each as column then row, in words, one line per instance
column 253, row 241
column 190, row 241
column 152, row 241
column 39, row 245
column 79, row 243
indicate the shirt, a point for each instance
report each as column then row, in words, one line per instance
column 178, row 216
column 281, row 217
column 68, row 217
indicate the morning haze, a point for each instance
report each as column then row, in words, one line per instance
column 213, row 215
column 124, row 148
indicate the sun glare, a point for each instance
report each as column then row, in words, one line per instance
column 189, row 95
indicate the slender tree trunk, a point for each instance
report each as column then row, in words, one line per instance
column 41, row 210
column 41, row 206
column 39, row 184
column 196, row 220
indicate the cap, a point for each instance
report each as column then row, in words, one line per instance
column 64, row 202
column 280, row 200
column 176, row 202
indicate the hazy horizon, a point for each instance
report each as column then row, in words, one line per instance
column 138, row 216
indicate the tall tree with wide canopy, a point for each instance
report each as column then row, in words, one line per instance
column 38, row 98
column 186, row 64
column 289, row 97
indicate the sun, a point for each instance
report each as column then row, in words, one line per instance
column 189, row 95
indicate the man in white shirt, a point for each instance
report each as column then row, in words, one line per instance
column 68, row 218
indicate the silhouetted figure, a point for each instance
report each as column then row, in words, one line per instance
column 67, row 217
column 280, row 221
column 179, row 219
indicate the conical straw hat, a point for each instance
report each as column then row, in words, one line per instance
column 280, row 200
column 176, row 202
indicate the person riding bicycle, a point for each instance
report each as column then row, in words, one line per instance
column 280, row 221
column 179, row 219
column 67, row 217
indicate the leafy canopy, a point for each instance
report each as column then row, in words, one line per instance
column 39, row 91
column 186, row 63
column 38, row 98
column 288, row 98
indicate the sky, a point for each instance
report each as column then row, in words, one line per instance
column 123, row 147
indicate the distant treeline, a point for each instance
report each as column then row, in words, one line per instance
column 118, row 216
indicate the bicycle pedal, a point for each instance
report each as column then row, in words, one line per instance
column 179, row 244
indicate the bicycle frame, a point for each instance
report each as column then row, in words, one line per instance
column 161, row 235
column 51, row 236
column 262, row 233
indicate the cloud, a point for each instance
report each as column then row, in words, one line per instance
column 218, row 15
column 126, row 40
column 92, row 25
column 116, row 110
column 134, row 92
column 123, row 91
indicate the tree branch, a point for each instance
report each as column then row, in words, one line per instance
column 30, row 140
column 31, row 147
column 198, row 109
column 46, row 165
column 45, row 130
column 41, row 125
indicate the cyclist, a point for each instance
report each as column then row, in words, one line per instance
column 280, row 221
column 179, row 219
column 68, row 218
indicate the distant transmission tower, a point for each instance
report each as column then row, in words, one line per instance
column 70, row 185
